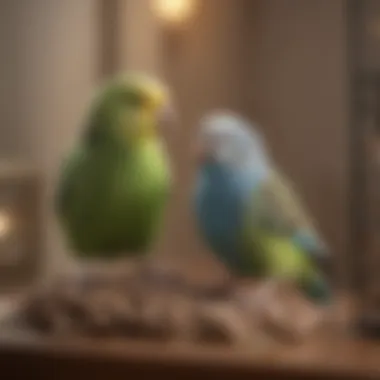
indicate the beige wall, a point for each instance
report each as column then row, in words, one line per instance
column 139, row 45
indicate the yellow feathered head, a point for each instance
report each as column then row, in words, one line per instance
column 133, row 107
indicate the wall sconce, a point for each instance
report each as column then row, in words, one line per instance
column 174, row 12
column 5, row 225
column 20, row 224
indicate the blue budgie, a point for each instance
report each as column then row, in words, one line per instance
column 248, row 213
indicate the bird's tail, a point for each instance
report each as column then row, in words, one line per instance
column 317, row 289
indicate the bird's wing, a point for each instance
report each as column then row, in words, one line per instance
column 276, row 208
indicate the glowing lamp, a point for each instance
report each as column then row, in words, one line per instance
column 174, row 12
column 5, row 225
column 20, row 210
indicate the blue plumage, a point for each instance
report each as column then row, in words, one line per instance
column 221, row 199
column 247, row 212
column 225, row 184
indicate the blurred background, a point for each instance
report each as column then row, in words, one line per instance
column 292, row 66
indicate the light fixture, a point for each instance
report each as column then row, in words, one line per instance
column 21, row 204
column 5, row 224
column 174, row 12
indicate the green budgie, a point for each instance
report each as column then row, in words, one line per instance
column 115, row 184
column 248, row 213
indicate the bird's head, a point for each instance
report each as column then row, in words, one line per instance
column 228, row 140
column 133, row 107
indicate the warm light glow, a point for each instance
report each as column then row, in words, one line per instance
column 5, row 224
column 174, row 11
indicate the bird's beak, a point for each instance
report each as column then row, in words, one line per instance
column 156, row 98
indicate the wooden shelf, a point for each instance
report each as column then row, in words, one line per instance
column 333, row 356
column 330, row 354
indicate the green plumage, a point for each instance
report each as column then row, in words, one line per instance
column 276, row 216
column 114, row 187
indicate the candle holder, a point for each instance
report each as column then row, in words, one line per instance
column 20, row 224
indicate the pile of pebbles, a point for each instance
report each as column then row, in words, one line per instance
column 138, row 309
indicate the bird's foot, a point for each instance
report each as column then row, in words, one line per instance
column 156, row 276
column 256, row 298
column 222, row 291
column 82, row 280
column 278, row 308
column 97, row 275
